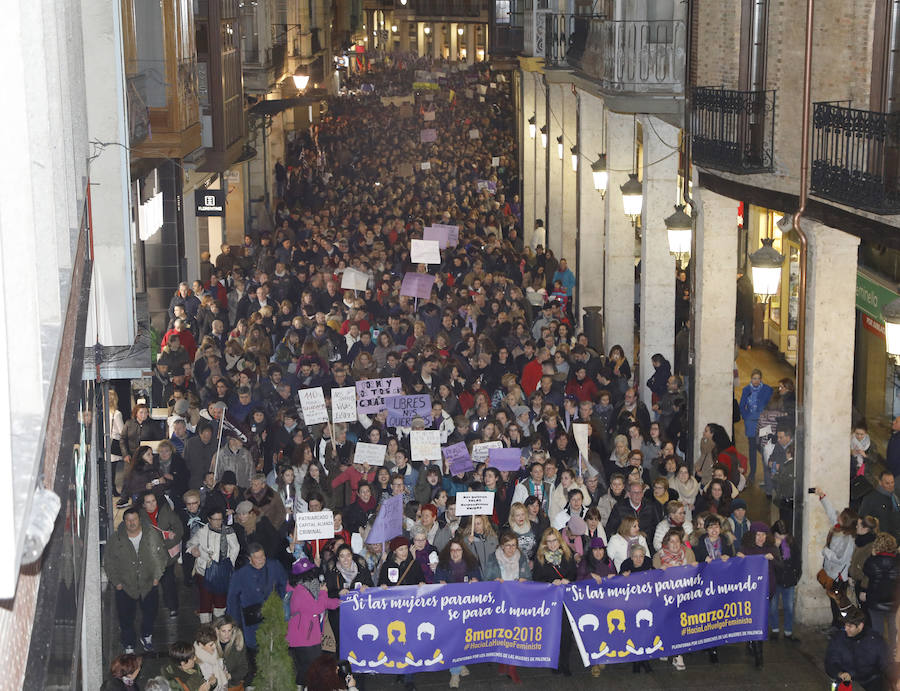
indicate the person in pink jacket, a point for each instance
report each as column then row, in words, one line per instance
column 309, row 599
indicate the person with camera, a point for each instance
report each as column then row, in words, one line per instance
column 857, row 656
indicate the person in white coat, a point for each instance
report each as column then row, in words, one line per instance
column 629, row 533
column 675, row 518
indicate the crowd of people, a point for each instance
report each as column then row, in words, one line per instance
column 210, row 495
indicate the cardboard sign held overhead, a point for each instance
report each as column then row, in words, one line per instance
column 314, row 525
column 425, row 252
column 343, row 404
column 312, row 402
column 373, row 454
column 474, row 503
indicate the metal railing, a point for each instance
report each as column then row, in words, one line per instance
column 733, row 130
column 856, row 157
column 623, row 55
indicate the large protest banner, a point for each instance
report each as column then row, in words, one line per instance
column 402, row 410
column 409, row 629
column 655, row 613
column 370, row 393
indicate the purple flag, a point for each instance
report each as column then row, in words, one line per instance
column 458, row 459
column 452, row 233
column 505, row 459
column 427, row 136
column 389, row 521
column 416, row 285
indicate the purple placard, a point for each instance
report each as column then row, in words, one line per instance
column 370, row 393
column 505, row 459
column 428, row 136
column 452, row 233
column 402, row 410
column 417, row 285
column 458, row 459
column 438, row 233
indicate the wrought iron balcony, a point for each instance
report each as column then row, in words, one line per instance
column 856, row 157
column 622, row 55
column 733, row 130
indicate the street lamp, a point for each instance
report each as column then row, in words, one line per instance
column 544, row 136
column 574, row 151
column 532, row 128
column 460, row 30
column 559, row 147
column 679, row 227
column 301, row 78
column 427, row 30
column 632, row 197
column 891, row 314
column 600, row 174
column 766, row 265
column 394, row 28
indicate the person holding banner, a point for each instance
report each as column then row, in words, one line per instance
column 348, row 571
column 759, row 541
column 629, row 534
column 456, row 564
column 554, row 563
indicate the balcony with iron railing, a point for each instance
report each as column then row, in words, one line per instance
column 856, row 157
column 621, row 55
column 733, row 130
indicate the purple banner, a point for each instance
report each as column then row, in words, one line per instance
column 402, row 410
column 458, row 458
column 416, row 285
column 428, row 135
column 408, row 629
column 505, row 459
column 663, row 613
column 388, row 521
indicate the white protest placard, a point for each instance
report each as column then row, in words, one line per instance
column 343, row 404
column 429, row 115
column 425, row 445
column 353, row 279
column 426, row 165
column 312, row 402
column 314, row 525
column 480, row 451
column 482, row 89
column 474, row 503
column 425, row 252
column 581, row 431
column 474, row 134
column 495, row 161
column 373, row 454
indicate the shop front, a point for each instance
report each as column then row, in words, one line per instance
column 876, row 386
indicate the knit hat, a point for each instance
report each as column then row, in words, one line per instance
column 228, row 478
column 244, row 507
column 577, row 526
column 738, row 504
column 397, row 543
column 597, row 543
column 759, row 527
column 301, row 566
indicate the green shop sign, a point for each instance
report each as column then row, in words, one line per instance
column 872, row 296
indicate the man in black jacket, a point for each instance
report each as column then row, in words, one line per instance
column 639, row 504
column 857, row 654
column 883, row 504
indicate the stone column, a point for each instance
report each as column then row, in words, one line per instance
column 437, row 34
column 470, row 44
column 540, row 153
column 454, row 43
column 404, row 36
column 554, row 220
column 591, row 207
column 657, row 265
column 569, row 227
column 827, row 410
column 420, row 39
column 618, row 296
column 714, row 310
column 529, row 155
column 487, row 46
